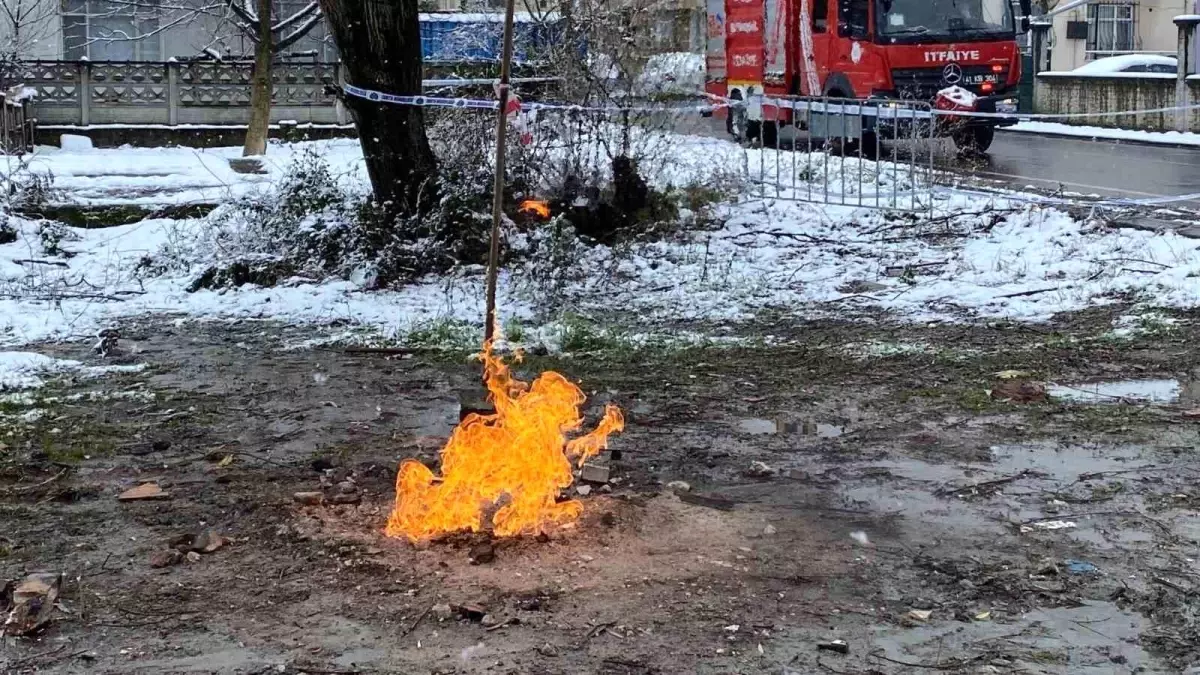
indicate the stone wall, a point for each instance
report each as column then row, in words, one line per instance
column 1064, row 93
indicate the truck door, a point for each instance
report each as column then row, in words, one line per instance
column 846, row 56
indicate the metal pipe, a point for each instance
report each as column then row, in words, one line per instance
column 489, row 326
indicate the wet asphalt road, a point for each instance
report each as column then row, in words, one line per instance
column 1091, row 167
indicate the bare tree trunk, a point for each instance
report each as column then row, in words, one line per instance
column 380, row 45
column 260, row 85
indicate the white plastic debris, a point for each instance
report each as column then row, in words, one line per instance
column 860, row 537
column 1049, row 525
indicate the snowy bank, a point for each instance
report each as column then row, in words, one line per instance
column 27, row 370
column 988, row 259
column 1104, row 133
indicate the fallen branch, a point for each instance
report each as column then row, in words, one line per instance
column 988, row 483
column 31, row 261
column 954, row 665
column 1023, row 294
column 412, row 626
column 21, row 489
column 380, row 350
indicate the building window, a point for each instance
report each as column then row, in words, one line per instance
column 111, row 31
column 1112, row 28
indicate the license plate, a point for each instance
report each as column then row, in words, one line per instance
column 1006, row 107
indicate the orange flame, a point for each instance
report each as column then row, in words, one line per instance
column 513, row 462
column 535, row 207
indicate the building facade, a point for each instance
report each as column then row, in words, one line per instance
column 1115, row 27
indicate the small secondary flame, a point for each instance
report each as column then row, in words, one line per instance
column 535, row 207
column 509, row 466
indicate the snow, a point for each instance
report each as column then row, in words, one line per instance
column 168, row 176
column 1118, row 64
column 673, row 72
column 770, row 256
column 74, row 143
column 27, row 370
column 1164, row 137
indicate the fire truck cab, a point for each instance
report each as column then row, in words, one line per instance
column 868, row 49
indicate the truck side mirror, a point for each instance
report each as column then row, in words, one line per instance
column 1026, row 14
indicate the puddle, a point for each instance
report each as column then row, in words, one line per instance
column 1152, row 391
column 760, row 426
column 1064, row 462
column 1086, row 639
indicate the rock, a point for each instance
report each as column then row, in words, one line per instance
column 247, row 165
column 769, row 530
column 182, row 542
column 760, row 470
column 160, row 559
column 208, row 541
column 32, row 602
column 308, row 498
column 594, row 473
column 861, row 286
column 838, row 646
column 143, row 492
column 471, row 611
column 347, row 487
column 441, row 611
column 583, row 490
column 1019, row 391
column 192, row 557
column 919, row 615
column 679, row 486
column 482, row 553
column 344, row 498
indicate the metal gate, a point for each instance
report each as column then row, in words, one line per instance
column 848, row 152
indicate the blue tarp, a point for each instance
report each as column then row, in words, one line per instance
column 477, row 37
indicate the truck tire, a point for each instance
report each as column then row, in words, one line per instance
column 974, row 138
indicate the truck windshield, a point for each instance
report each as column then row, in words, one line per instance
column 944, row 18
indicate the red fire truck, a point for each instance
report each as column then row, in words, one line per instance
column 866, row 49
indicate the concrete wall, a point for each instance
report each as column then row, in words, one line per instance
column 1059, row 93
column 1155, row 32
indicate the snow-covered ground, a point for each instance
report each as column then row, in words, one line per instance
column 1164, row 137
column 1007, row 260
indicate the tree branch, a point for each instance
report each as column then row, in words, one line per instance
column 306, row 11
column 301, row 31
column 248, row 18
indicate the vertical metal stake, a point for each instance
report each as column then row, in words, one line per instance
column 489, row 326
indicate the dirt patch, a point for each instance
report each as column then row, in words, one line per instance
column 878, row 496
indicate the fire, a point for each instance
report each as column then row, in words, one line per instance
column 509, row 466
column 535, row 207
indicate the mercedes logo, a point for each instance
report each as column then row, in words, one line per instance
column 952, row 73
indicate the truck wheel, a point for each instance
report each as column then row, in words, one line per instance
column 770, row 134
column 975, row 138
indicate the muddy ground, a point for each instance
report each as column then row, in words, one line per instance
column 901, row 509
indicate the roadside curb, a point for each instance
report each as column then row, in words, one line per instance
column 1082, row 137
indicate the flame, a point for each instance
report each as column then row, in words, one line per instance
column 535, row 207
column 510, row 465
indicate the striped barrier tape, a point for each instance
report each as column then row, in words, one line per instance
column 882, row 109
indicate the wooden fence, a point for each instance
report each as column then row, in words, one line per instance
column 17, row 126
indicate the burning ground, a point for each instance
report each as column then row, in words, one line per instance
column 846, row 482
